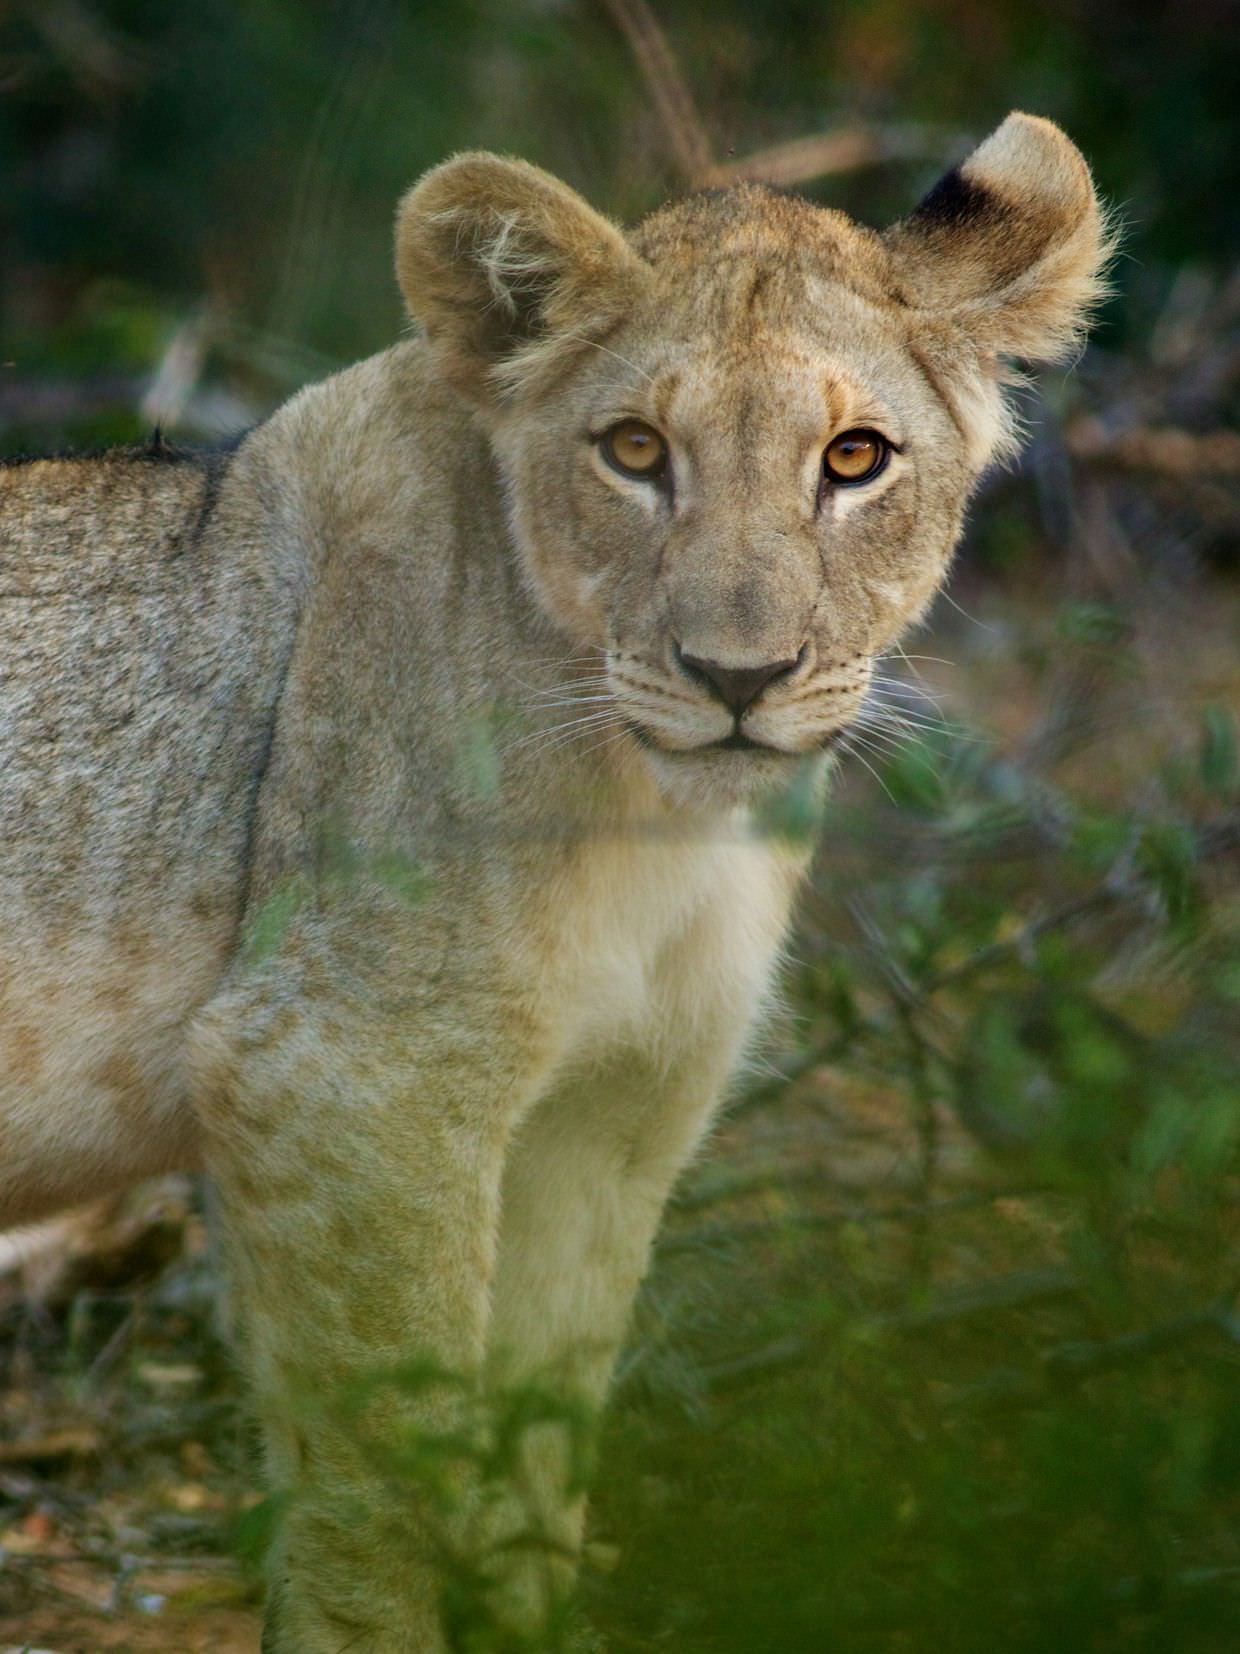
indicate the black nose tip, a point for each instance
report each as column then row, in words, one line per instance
column 738, row 687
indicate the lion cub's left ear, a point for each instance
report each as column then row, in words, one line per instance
column 1010, row 245
column 507, row 269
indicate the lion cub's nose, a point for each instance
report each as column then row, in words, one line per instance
column 737, row 687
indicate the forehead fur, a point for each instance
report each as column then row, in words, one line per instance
column 766, row 228
column 513, row 275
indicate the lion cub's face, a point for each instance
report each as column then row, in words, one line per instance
column 742, row 500
column 739, row 443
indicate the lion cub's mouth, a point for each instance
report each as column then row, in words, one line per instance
column 737, row 741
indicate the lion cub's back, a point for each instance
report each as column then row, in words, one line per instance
column 143, row 633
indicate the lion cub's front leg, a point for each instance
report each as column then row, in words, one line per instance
column 357, row 1133
column 584, row 1190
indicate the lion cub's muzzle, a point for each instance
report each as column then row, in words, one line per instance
column 738, row 687
column 694, row 703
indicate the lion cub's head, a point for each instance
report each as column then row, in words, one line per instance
column 739, row 440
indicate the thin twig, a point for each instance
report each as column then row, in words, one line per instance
column 1008, row 1292
column 1069, row 1362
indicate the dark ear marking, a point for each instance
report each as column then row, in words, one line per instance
column 1005, row 257
column 1009, row 246
column 957, row 203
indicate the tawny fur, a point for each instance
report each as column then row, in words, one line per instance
column 309, row 879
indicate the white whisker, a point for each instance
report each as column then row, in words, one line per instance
column 894, row 690
column 883, row 747
column 895, row 717
column 609, row 741
column 566, row 660
column 847, row 747
column 607, row 351
column 889, row 747
column 546, row 740
column 936, row 660
column 572, row 687
column 611, row 722
column 890, row 719
column 972, row 619
column 572, row 700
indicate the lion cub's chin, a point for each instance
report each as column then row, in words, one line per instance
column 709, row 778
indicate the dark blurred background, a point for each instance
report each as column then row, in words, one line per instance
column 217, row 179
column 942, row 1346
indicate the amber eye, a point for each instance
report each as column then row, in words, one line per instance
column 635, row 450
column 854, row 457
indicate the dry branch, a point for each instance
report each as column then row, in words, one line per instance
column 1162, row 450
column 793, row 162
column 73, row 1442
column 669, row 90
column 801, row 159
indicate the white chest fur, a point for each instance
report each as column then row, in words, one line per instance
column 665, row 934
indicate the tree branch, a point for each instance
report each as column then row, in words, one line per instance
column 668, row 88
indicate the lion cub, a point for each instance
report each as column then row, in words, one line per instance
column 380, row 798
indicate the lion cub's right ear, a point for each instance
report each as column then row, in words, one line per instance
column 506, row 269
column 1012, row 244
